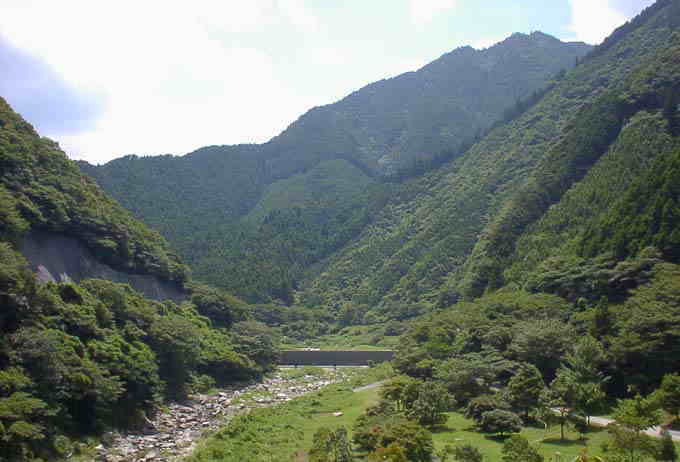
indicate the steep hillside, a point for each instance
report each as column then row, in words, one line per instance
column 621, row 133
column 417, row 115
column 40, row 189
column 452, row 232
column 323, row 179
column 80, row 358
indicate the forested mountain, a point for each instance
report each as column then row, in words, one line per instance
column 79, row 358
column 526, row 191
column 528, row 218
column 253, row 219
column 41, row 189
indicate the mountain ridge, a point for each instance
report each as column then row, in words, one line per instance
column 388, row 130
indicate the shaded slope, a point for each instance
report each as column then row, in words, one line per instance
column 652, row 87
column 79, row 359
column 41, row 189
column 419, row 246
column 199, row 201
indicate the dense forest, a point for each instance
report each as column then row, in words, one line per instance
column 452, row 233
column 257, row 219
column 78, row 359
column 507, row 219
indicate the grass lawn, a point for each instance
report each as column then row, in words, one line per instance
column 459, row 430
column 288, row 430
column 278, row 433
column 351, row 405
column 285, row 433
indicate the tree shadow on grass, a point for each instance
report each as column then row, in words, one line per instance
column 565, row 442
column 595, row 429
column 442, row 429
column 534, row 424
column 497, row 438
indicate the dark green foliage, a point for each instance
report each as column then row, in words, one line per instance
column 542, row 343
column 472, row 374
column 330, row 446
column 669, row 394
column 80, row 359
column 476, row 407
column 257, row 341
column 637, row 414
column 467, row 453
column 422, row 401
column 294, row 323
column 41, row 188
column 256, row 219
column 569, row 207
column 580, row 380
column 586, row 140
column 667, row 451
column 429, row 407
column 305, row 220
column 221, row 307
column 380, row 431
column 648, row 215
column 500, row 421
column 630, row 445
column 401, row 391
column 420, row 247
column 647, row 324
column 524, row 389
column 518, row 449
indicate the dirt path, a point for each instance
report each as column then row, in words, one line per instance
column 368, row 387
column 653, row 431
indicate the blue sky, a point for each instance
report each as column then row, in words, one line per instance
column 107, row 79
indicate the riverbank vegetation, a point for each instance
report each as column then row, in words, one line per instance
column 80, row 358
column 527, row 278
column 412, row 420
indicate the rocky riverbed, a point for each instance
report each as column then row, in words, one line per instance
column 173, row 433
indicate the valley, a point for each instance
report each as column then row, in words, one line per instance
column 502, row 224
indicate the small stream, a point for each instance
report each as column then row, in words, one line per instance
column 173, row 433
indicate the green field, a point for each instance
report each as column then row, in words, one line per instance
column 459, row 430
column 285, row 432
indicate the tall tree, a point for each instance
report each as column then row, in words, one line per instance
column 524, row 389
column 632, row 417
column 667, row 451
column 579, row 380
column 432, row 402
column 500, row 421
column 330, row 446
column 669, row 394
column 517, row 449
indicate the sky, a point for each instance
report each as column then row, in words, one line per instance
column 107, row 79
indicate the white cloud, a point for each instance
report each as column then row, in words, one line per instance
column 423, row 11
column 172, row 84
column 299, row 14
column 593, row 20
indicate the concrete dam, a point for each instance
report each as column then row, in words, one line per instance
column 333, row 357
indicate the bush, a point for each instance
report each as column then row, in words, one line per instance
column 518, row 449
column 499, row 421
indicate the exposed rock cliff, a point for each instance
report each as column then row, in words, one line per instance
column 59, row 257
